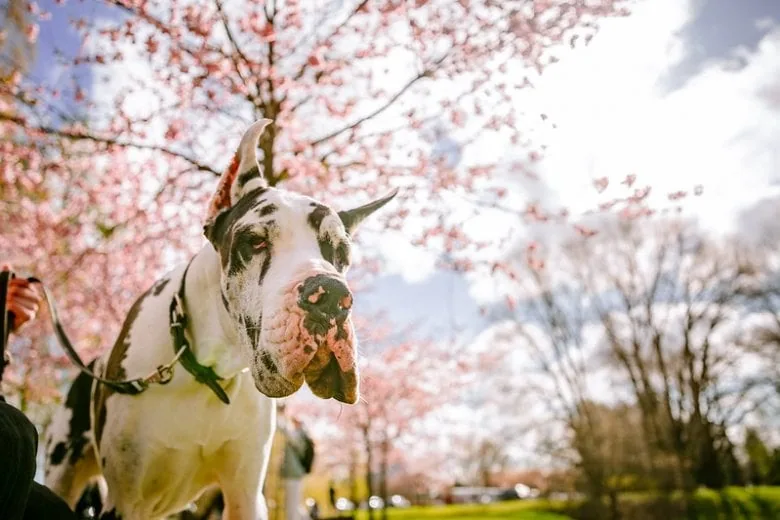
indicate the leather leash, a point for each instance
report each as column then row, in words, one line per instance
column 161, row 376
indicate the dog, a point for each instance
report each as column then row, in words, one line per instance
column 268, row 308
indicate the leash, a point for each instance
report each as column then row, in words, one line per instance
column 161, row 376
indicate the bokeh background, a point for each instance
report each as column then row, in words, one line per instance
column 571, row 308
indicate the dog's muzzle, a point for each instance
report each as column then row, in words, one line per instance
column 326, row 301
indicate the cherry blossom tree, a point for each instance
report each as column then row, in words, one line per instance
column 402, row 382
column 106, row 172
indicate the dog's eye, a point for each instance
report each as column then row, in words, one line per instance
column 250, row 244
column 258, row 243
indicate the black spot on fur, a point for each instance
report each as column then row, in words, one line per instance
column 225, row 239
column 217, row 230
column 326, row 249
column 252, row 173
column 266, row 266
column 224, row 300
column 341, row 256
column 78, row 402
column 160, row 286
column 317, row 215
column 58, row 455
column 114, row 369
column 268, row 362
column 253, row 328
column 267, row 210
column 335, row 254
column 244, row 249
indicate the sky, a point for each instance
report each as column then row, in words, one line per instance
column 680, row 93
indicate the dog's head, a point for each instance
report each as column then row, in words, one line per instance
column 284, row 260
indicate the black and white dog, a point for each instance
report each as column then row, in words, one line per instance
column 268, row 309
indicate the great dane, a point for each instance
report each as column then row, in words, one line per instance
column 268, row 309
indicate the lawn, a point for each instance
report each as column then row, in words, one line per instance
column 738, row 503
column 518, row 509
column 730, row 504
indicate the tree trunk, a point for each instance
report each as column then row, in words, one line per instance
column 353, row 481
column 614, row 509
column 369, row 479
column 383, row 475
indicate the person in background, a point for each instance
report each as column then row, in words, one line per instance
column 332, row 495
column 21, row 498
column 296, row 464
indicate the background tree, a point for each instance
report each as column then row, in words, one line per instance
column 650, row 313
column 759, row 459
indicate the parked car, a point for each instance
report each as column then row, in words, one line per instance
column 399, row 501
column 344, row 504
column 375, row 502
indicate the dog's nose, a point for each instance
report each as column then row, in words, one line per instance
column 325, row 297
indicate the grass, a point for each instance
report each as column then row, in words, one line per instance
column 518, row 509
column 738, row 503
column 757, row 503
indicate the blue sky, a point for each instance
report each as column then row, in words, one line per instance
column 674, row 90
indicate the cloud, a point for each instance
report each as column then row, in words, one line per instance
column 615, row 117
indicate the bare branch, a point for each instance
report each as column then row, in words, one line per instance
column 76, row 135
column 426, row 73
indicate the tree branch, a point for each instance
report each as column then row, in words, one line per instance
column 304, row 65
column 234, row 43
column 424, row 74
column 74, row 135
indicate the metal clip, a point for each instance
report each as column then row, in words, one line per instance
column 165, row 373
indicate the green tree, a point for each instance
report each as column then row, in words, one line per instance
column 759, row 464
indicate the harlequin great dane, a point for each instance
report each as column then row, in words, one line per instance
column 268, row 309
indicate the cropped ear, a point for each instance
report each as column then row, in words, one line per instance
column 352, row 218
column 242, row 175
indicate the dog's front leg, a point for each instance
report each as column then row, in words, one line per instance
column 244, row 501
column 241, row 479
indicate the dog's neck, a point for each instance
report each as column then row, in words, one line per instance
column 214, row 332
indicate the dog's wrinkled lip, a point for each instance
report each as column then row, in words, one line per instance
column 277, row 385
column 331, row 382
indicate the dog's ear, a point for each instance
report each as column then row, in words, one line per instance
column 242, row 175
column 352, row 218
column 216, row 227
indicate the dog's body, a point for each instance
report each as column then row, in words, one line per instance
column 166, row 445
column 267, row 309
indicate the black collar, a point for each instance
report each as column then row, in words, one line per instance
column 178, row 325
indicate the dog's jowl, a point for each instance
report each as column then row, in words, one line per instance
column 267, row 308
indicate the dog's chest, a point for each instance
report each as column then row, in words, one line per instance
column 191, row 415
